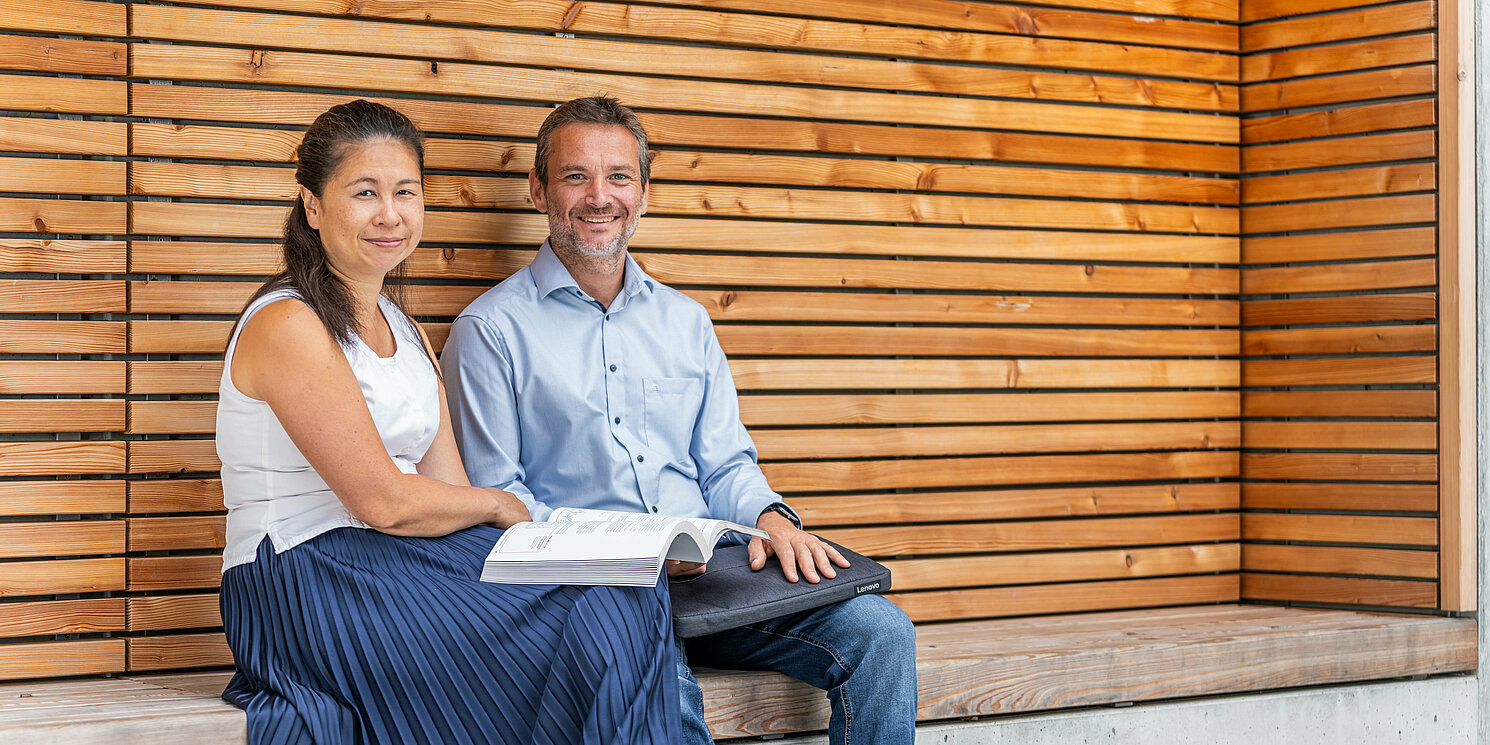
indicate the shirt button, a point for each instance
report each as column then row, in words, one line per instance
column 612, row 368
column 654, row 508
column 640, row 458
column 607, row 316
column 618, row 420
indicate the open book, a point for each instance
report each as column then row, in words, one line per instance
column 600, row 547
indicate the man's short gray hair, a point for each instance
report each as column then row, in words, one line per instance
column 592, row 110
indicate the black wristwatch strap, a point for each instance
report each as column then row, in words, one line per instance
column 780, row 508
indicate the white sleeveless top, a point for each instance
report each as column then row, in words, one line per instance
column 269, row 488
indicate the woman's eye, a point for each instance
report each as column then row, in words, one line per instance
column 365, row 193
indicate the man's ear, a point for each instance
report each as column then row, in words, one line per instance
column 312, row 208
column 535, row 192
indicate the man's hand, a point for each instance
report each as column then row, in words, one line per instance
column 794, row 548
column 677, row 568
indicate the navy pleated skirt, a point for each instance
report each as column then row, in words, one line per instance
column 356, row 636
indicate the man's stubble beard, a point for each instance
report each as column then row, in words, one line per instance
column 600, row 258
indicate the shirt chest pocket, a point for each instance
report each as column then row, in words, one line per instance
column 671, row 409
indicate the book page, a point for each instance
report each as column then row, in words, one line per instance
column 638, row 536
column 710, row 529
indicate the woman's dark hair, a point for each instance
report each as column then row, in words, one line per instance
column 325, row 145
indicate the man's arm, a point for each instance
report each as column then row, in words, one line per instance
column 734, row 486
column 483, row 409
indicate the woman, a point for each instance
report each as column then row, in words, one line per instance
column 350, row 594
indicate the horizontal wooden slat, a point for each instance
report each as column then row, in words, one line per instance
column 22, row 578
column 800, row 340
column 57, row 337
column 1346, row 213
column 173, row 612
column 265, row 221
column 853, row 509
column 1024, row 407
column 69, row 257
column 1341, row 466
column 164, row 533
column 1339, row 151
column 1038, row 535
column 885, row 442
column 949, row 605
column 61, row 376
column 175, row 495
column 61, row 216
column 172, row 417
column 1343, row 340
column 1292, row 63
column 60, row 458
column 1375, row 497
column 64, row 17
column 181, row 650
column 61, row 497
column 181, row 62
column 45, row 659
column 1368, row 404
column 1356, row 24
column 60, row 96
column 1339, row 590
column 1066, row 566
column 994, row 374
column 60, row 136
column 1346, row 183
column 1034, row 469
column 1360, row 86
column 1341, row 121
column 1371, row 244
column 174, row 572
column 582, row 53
column 74, row 56
column 38, row 618
column 1263, row 10
column 53, row 176
column 1412, row 306
column 61, row 296
column 1421, row 531
column 819, row 137
column 1345, row 371
column 61, row 538
column 156, row 456
column 1340, row 560
column 185, row 376
column 64, row 415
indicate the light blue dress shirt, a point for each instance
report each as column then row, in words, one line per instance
column 565, row 403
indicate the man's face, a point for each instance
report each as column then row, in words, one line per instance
column 594, row 195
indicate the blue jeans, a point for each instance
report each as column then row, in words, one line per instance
column 861, row 651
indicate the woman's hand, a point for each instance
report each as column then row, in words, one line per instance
column 508, row 510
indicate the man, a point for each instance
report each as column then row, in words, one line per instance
column 581, row 381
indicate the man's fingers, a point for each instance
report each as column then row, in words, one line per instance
column 757, row 551
column 787, row 554
column 837, row 557
column 809, row 563
column 820, row 552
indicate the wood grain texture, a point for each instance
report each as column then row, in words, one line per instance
column 589, row 53
column 1038, row 535
column 1340, row 560
column 59, row 337
column 172, row 417
column 154, row 573
column 1344, row 183
column 44, row 617
column 973, row 342
column 170, row 533
column 1066, row 566
column 1346, row 340
column 1353, row 24
column 61, row 296
column 1341, row 371
column 1264, row 10
column 1341, row 435
column 64, row 17
column 997, row 602
column 1364, row 497
column 71, row 257
column 71, row 497
column 1371, row 148
column 175, row 495
column 173, row 456
column 1345, row 213
column 1341, row 466
column 60, row 96
column 1416, row 531
column 65, row 415
column 954, row 407
column 52, row 176
column 62, row 538
column 71, row 56
column 60, row 458
column 178, row 651
column 1340, row 404
column 1004, row 504
column 886, row 442
column 173, row 612
column 68, row 137
column 1406, row 306
column 1373, row 244
column 1392, row 52
column 1359, row 86
column 1336, row 122
column 990, row 374
column 1034, row 469
column 61, row 376
column 46, row 659
column 22, row 215
column 26, row 578
column 1340, row 590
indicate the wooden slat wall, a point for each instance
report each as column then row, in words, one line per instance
column 1340, row 279
column 976, row 267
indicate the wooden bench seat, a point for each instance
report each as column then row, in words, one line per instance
column 975, row 668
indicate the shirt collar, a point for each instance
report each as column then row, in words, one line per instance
column 550, row 274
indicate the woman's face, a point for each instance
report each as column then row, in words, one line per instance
column 371, row 213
